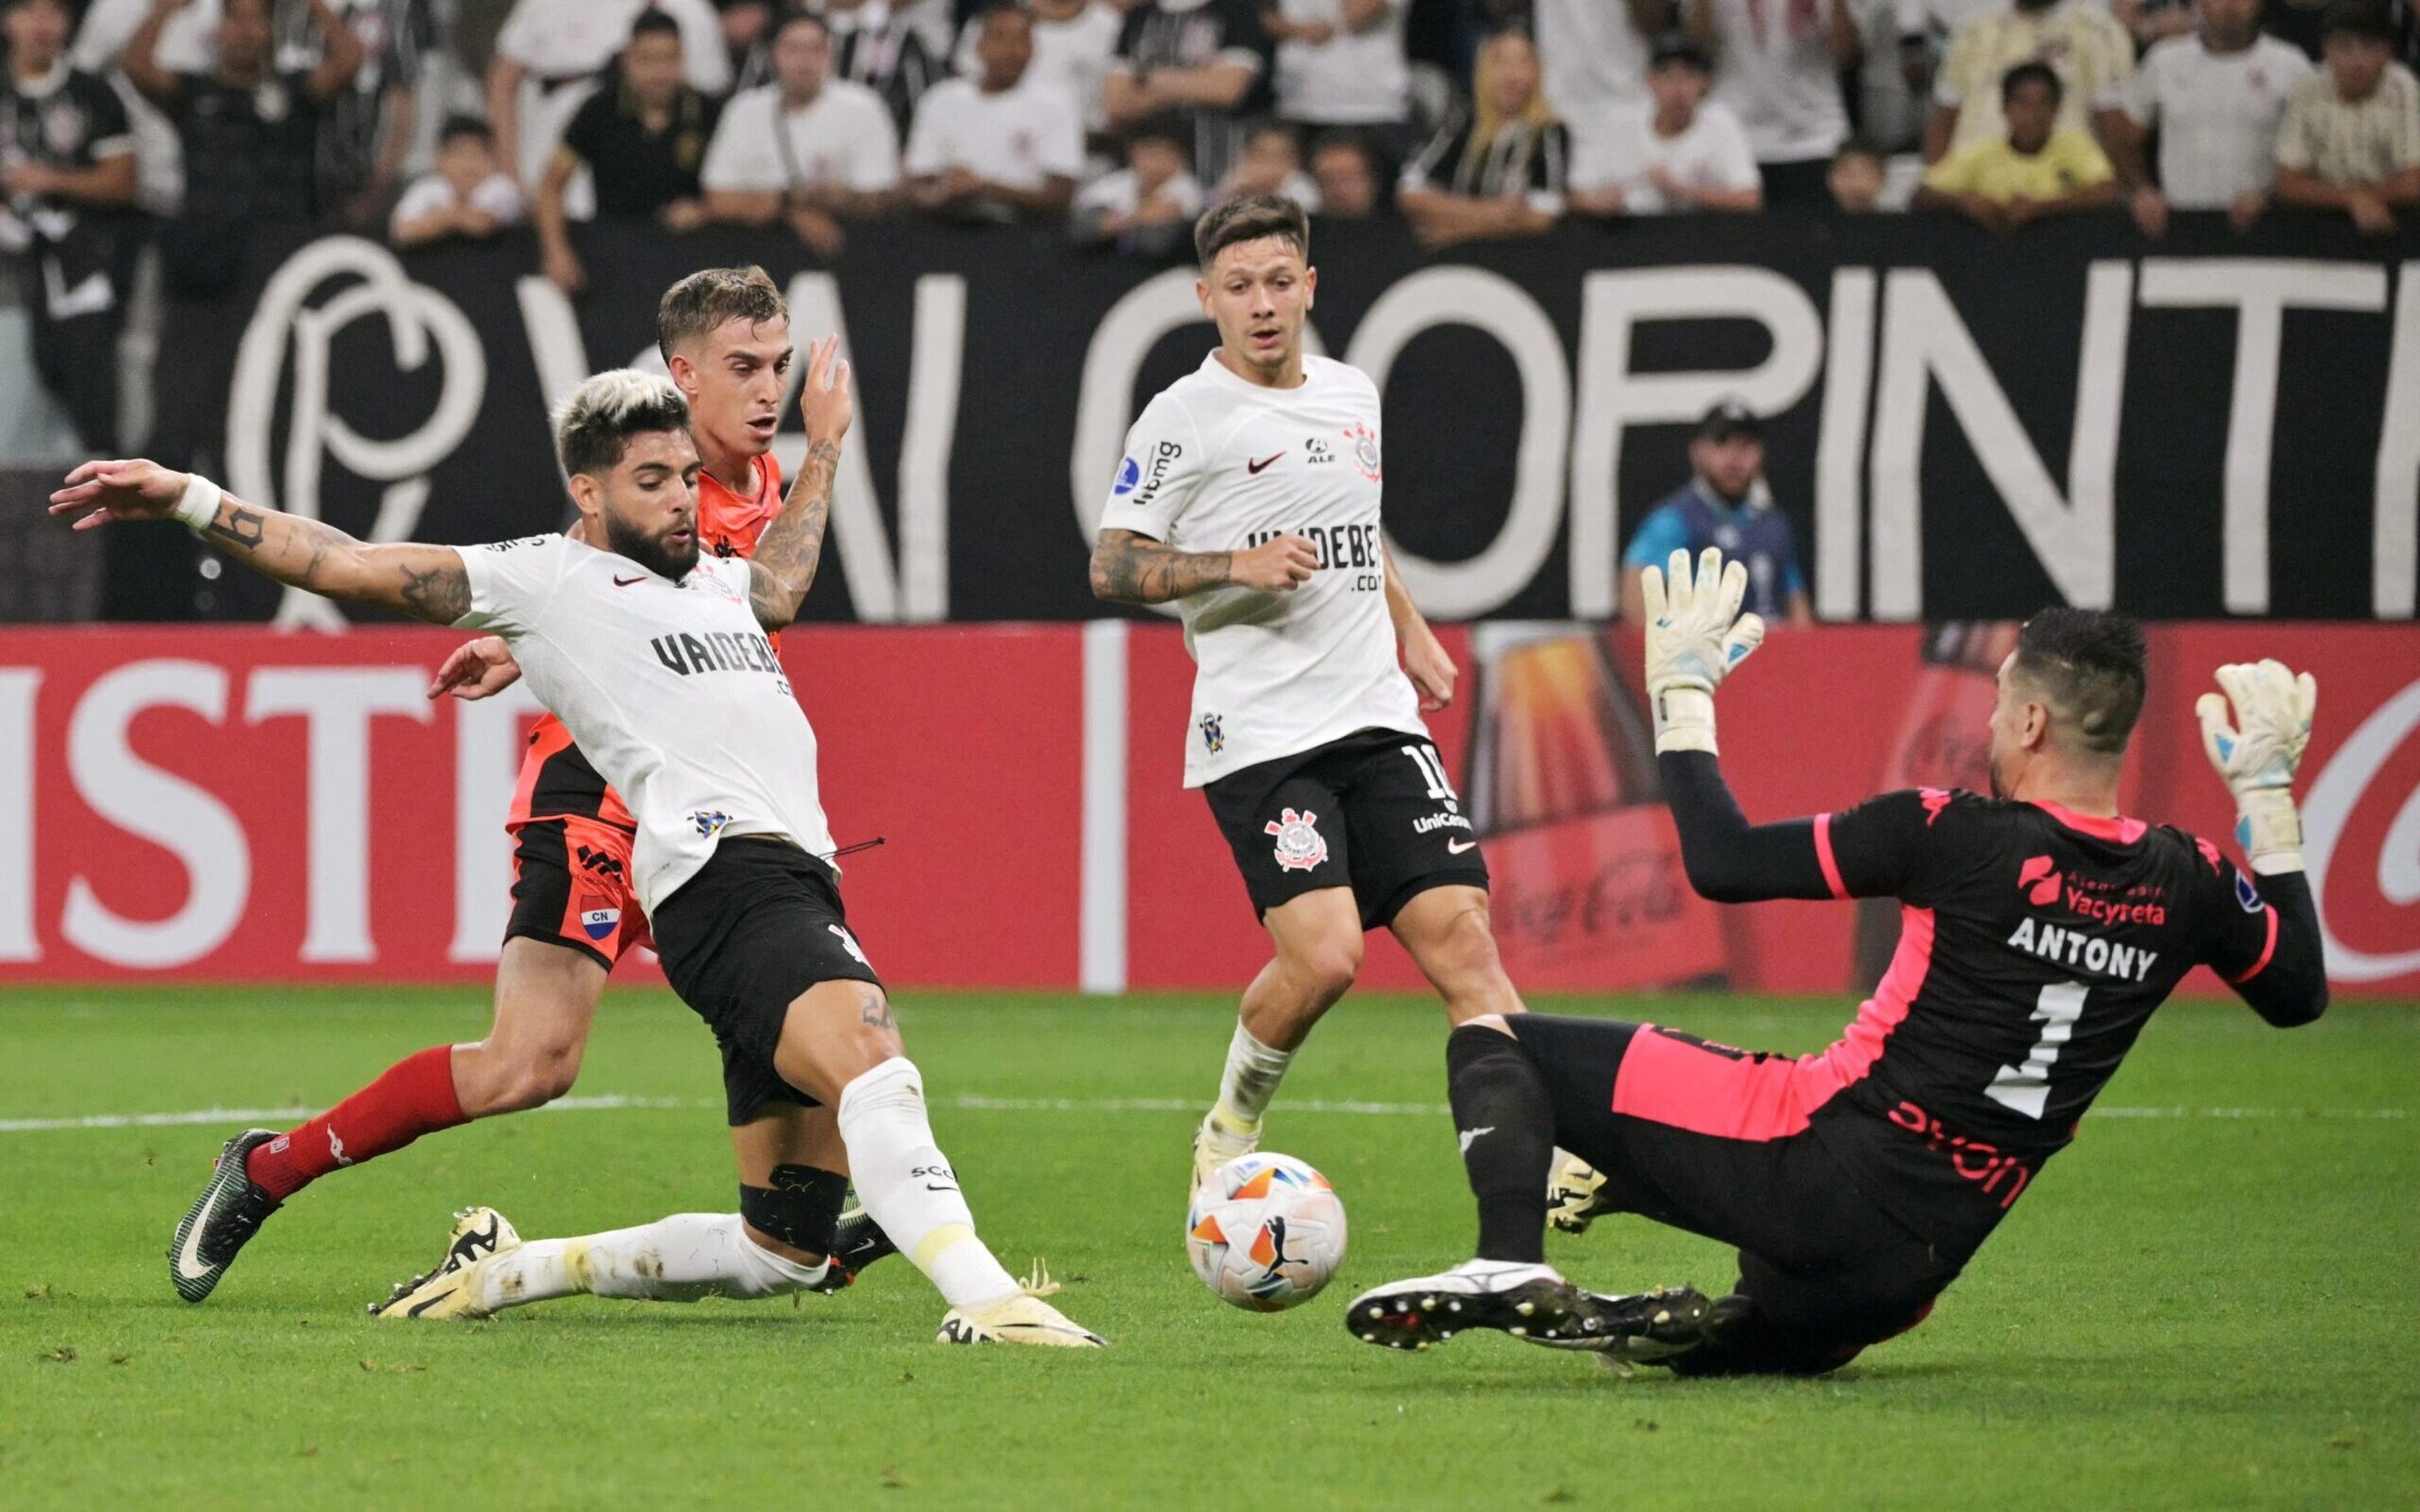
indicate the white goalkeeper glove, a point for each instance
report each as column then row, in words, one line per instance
column 2257, row 755
column 1695, row 635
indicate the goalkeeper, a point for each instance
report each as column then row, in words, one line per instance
column 2040, row 929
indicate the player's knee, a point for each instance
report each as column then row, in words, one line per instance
column 1325, row 968
column 540, row 1074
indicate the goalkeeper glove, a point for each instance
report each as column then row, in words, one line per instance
column 1695, row 635
column 2256, row 756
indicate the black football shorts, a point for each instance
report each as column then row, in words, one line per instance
column 759, row 924
column 1374, row 812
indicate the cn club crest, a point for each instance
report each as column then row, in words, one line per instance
column 1299, row 847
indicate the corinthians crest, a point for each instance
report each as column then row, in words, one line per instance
column 1299, row 847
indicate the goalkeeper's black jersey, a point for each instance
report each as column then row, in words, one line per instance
column 2034, row 946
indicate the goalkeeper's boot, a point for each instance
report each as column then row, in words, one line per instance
column 451, row 1289
column 1020, row 1317
column 1218, row 1141
column 1648, row 1327
column 1531, row 1302
column 222, row 1220
column 1574, row 1194
column 856, row 1244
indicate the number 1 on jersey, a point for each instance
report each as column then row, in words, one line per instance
column 2026, row 1088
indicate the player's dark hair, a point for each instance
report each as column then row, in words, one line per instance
column 594, row 425
column 462, row 125
column 1248, row 218
column 653, row 23
column 2091, row 664
column 2031, row 73
column 710, row 296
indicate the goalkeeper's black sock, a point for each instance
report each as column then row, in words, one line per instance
column 1506, row 1122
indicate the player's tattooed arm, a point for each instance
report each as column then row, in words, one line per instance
column 1129, row 568
column 782, row 567
column 427, row 582
column 1136, row 569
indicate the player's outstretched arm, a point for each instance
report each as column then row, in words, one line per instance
column 427, row 582
column 1695, row 635
column 2283, row 971
column 782, row 566
column 1128, row 568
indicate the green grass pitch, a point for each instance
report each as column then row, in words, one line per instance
column 2212, row 1300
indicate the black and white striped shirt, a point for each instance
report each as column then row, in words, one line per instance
column 1520, row 161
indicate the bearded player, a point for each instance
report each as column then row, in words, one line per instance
column 725, row 335
column 2040, row 929
column 657, row 659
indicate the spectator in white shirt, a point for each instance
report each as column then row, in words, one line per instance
column 1000, row 147
column 1777, row 66
column 1147, row 207
column 467, row 196
column 2217, row 99
column 548, row 55
column 1072, row 43
column 808, row 149
column 1340, row 62
column 1340, row 165
column 1681, row 153
column 1270, row 164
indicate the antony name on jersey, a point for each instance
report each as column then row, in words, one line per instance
column 1218, row 463
column 614, row 650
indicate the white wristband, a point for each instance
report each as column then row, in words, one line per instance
column 1685, row 719
column 200, row 504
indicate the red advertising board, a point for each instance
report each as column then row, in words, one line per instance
column 238, row 804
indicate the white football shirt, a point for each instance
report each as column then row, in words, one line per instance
column 1712, row 152
column 1020, row 137
column 1216, row 464
column 670, row 690
column 2217, row 115
column 843, row 139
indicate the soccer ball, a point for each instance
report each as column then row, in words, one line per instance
column 1265, row 1232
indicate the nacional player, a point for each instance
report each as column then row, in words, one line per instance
column 656, row 659
column 2040, row 929
column 1249, row 496
column 725, row 333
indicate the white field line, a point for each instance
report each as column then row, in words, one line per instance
column 975, row 1104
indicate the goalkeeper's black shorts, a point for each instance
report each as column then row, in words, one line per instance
column 1826, row 1270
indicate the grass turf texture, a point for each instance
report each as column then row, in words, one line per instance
column 2189, row 1311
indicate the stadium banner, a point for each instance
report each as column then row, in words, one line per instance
column 1961, row 426
column 232, row 804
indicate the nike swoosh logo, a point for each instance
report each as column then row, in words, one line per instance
column 189, row 1255
column 1455, row 847
column 1255, row 467
column 620, row 581
column 429, row 1303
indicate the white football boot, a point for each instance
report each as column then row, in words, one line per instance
column 1020, row 1317
column 451, row 1291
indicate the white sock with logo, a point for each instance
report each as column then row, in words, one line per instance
column 908, row 1186
column 1251, row 1080
column 679, row 1258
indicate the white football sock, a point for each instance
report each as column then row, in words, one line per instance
column 906, row 1185
column 679, row 1258
column 1250, row 1079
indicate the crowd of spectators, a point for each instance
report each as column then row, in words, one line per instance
column 189, row 123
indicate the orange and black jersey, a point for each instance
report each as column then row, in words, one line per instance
column 2034, row 946
column 556, row 781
